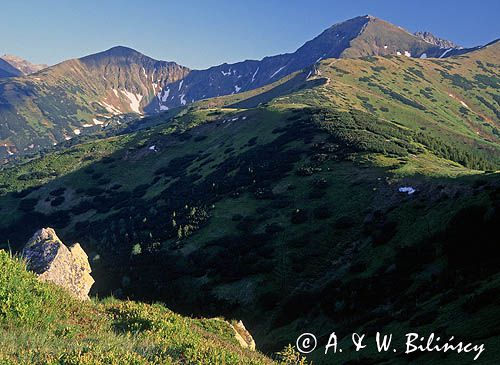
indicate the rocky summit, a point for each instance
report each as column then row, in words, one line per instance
column 53, row 261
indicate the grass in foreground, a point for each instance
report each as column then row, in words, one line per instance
column 42, row 324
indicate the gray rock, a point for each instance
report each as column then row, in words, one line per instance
column 53, row 262
column 432, row 39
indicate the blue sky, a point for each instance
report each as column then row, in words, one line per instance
column 203, row 33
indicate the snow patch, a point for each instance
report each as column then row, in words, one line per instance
column 407, row 54
column 97, row 122
column 407, row 189
column 237, row 88
column 180, row 85
column 445, row 52
column 183, row 101
column 135, row 100
column 163, row 107
column 274, row 74
column 8, row 150
column 77, row 131
column 424, row 55
column 398, row 53
column 153, row 148
column 166, row 93
column 461, row 101
column 111, row 108
column 255, row 74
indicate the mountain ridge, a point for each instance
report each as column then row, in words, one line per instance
column 353, row 38
column 437, row 41
column 7, row 70
column 86, row 95
column 24, row 66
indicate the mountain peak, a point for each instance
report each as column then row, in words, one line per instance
column 119, row 54
column 119, row 51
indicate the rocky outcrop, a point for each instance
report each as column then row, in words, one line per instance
column 54, row 262
column 242, row 335
column 432, row 39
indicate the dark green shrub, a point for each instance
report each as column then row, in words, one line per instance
column 299, row 216
column 57, row 201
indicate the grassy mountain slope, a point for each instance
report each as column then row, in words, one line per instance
column 85, row 95
column 454, row 100
column 78, row 96
column 288, row 214
column 280, row 218
column 42, row 324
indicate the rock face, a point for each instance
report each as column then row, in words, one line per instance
column 52, row 261
column 432, row 39
column 243, row 336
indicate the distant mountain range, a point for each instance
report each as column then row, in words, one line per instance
column 12, row 66
column 23, row 66
column 7, row 70
column 82, row 96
